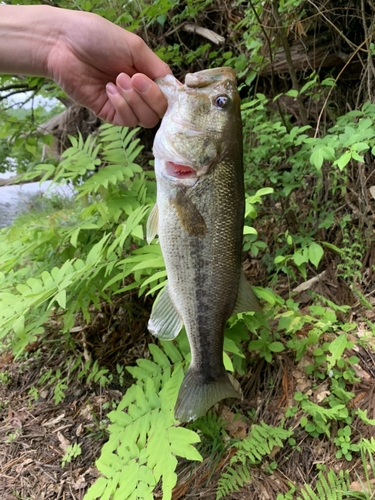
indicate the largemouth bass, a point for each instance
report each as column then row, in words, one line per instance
column 199, row 219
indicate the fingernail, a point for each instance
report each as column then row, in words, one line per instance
column 124, row 81
column 141, row 85
column 111, row 89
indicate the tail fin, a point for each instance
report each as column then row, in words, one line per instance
column 196, row 396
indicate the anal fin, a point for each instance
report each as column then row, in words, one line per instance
column 165, row 322
column 246, row 298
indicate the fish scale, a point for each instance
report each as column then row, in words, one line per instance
column 199, row 219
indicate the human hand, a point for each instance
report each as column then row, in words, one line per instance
column 107, row 69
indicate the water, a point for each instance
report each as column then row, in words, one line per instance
column 19, row 198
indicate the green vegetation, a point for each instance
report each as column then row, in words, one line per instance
column 308, row 249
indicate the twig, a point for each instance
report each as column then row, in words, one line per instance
column 47, row 474
column 262, row 27
column 60, row 490
column 21, row 86
column 204, row 32
column 288, row 57
column 351, row 44
column 330, row 90
column 370, row 62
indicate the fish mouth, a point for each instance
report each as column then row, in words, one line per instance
column 182, row 174
column 178, row 171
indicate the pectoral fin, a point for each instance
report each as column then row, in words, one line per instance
column 165, row 322
column 246, row 298
column 152, row 224
column 189, row 216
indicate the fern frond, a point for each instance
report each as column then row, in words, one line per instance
column 121, row 149
column 232, row 480
column 119, row 152
column 144, row 440
column 330, row 486
column 41, row 292
column 260, row 443
column 80, row 158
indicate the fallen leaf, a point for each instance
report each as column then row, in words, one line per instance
column 64, row 443
column 80, row 430
column 362, row 486
column 303, row 385
column 80, row 483
column 236, row 427
column 87, row 413
column 360, row 372
column 53, row 421
column 21, row 467
column 321, row 393
column 306, row 360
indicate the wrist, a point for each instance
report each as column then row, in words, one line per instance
column 28, row 34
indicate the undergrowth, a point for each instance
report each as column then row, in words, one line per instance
column 79, row 256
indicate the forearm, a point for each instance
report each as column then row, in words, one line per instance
column 27, row 35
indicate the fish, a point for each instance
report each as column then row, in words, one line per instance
column 199, row 217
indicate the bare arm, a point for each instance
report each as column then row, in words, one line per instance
column 97, row 63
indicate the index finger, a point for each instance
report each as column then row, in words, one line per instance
column 150, row 93
column 145, row 60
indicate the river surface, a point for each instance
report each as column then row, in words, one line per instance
column 19, row 198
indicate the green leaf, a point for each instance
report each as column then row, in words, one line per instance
column 343, row 160
column 276, row 347
column 279, row 259
column 256, row 345
column 267, row 295
column 317, row 158
column 315, row 253
column 181, row 440
column 231, row 346
column 249, row 230
column 332, row 247
column 292, row 93
column 60, row 298
column 336, row 348
column 360, row 146
column 329, row 82
column 357, row 157
column 299, row 257
column 363, row 416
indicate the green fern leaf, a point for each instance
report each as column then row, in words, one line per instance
column 181, row 440
column 160, row 358
column 232, row 480
column 172, row 352
column 144, row 442
column 251, row 450
column 331, row 486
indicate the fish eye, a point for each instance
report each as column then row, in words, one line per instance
column 221, row 101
